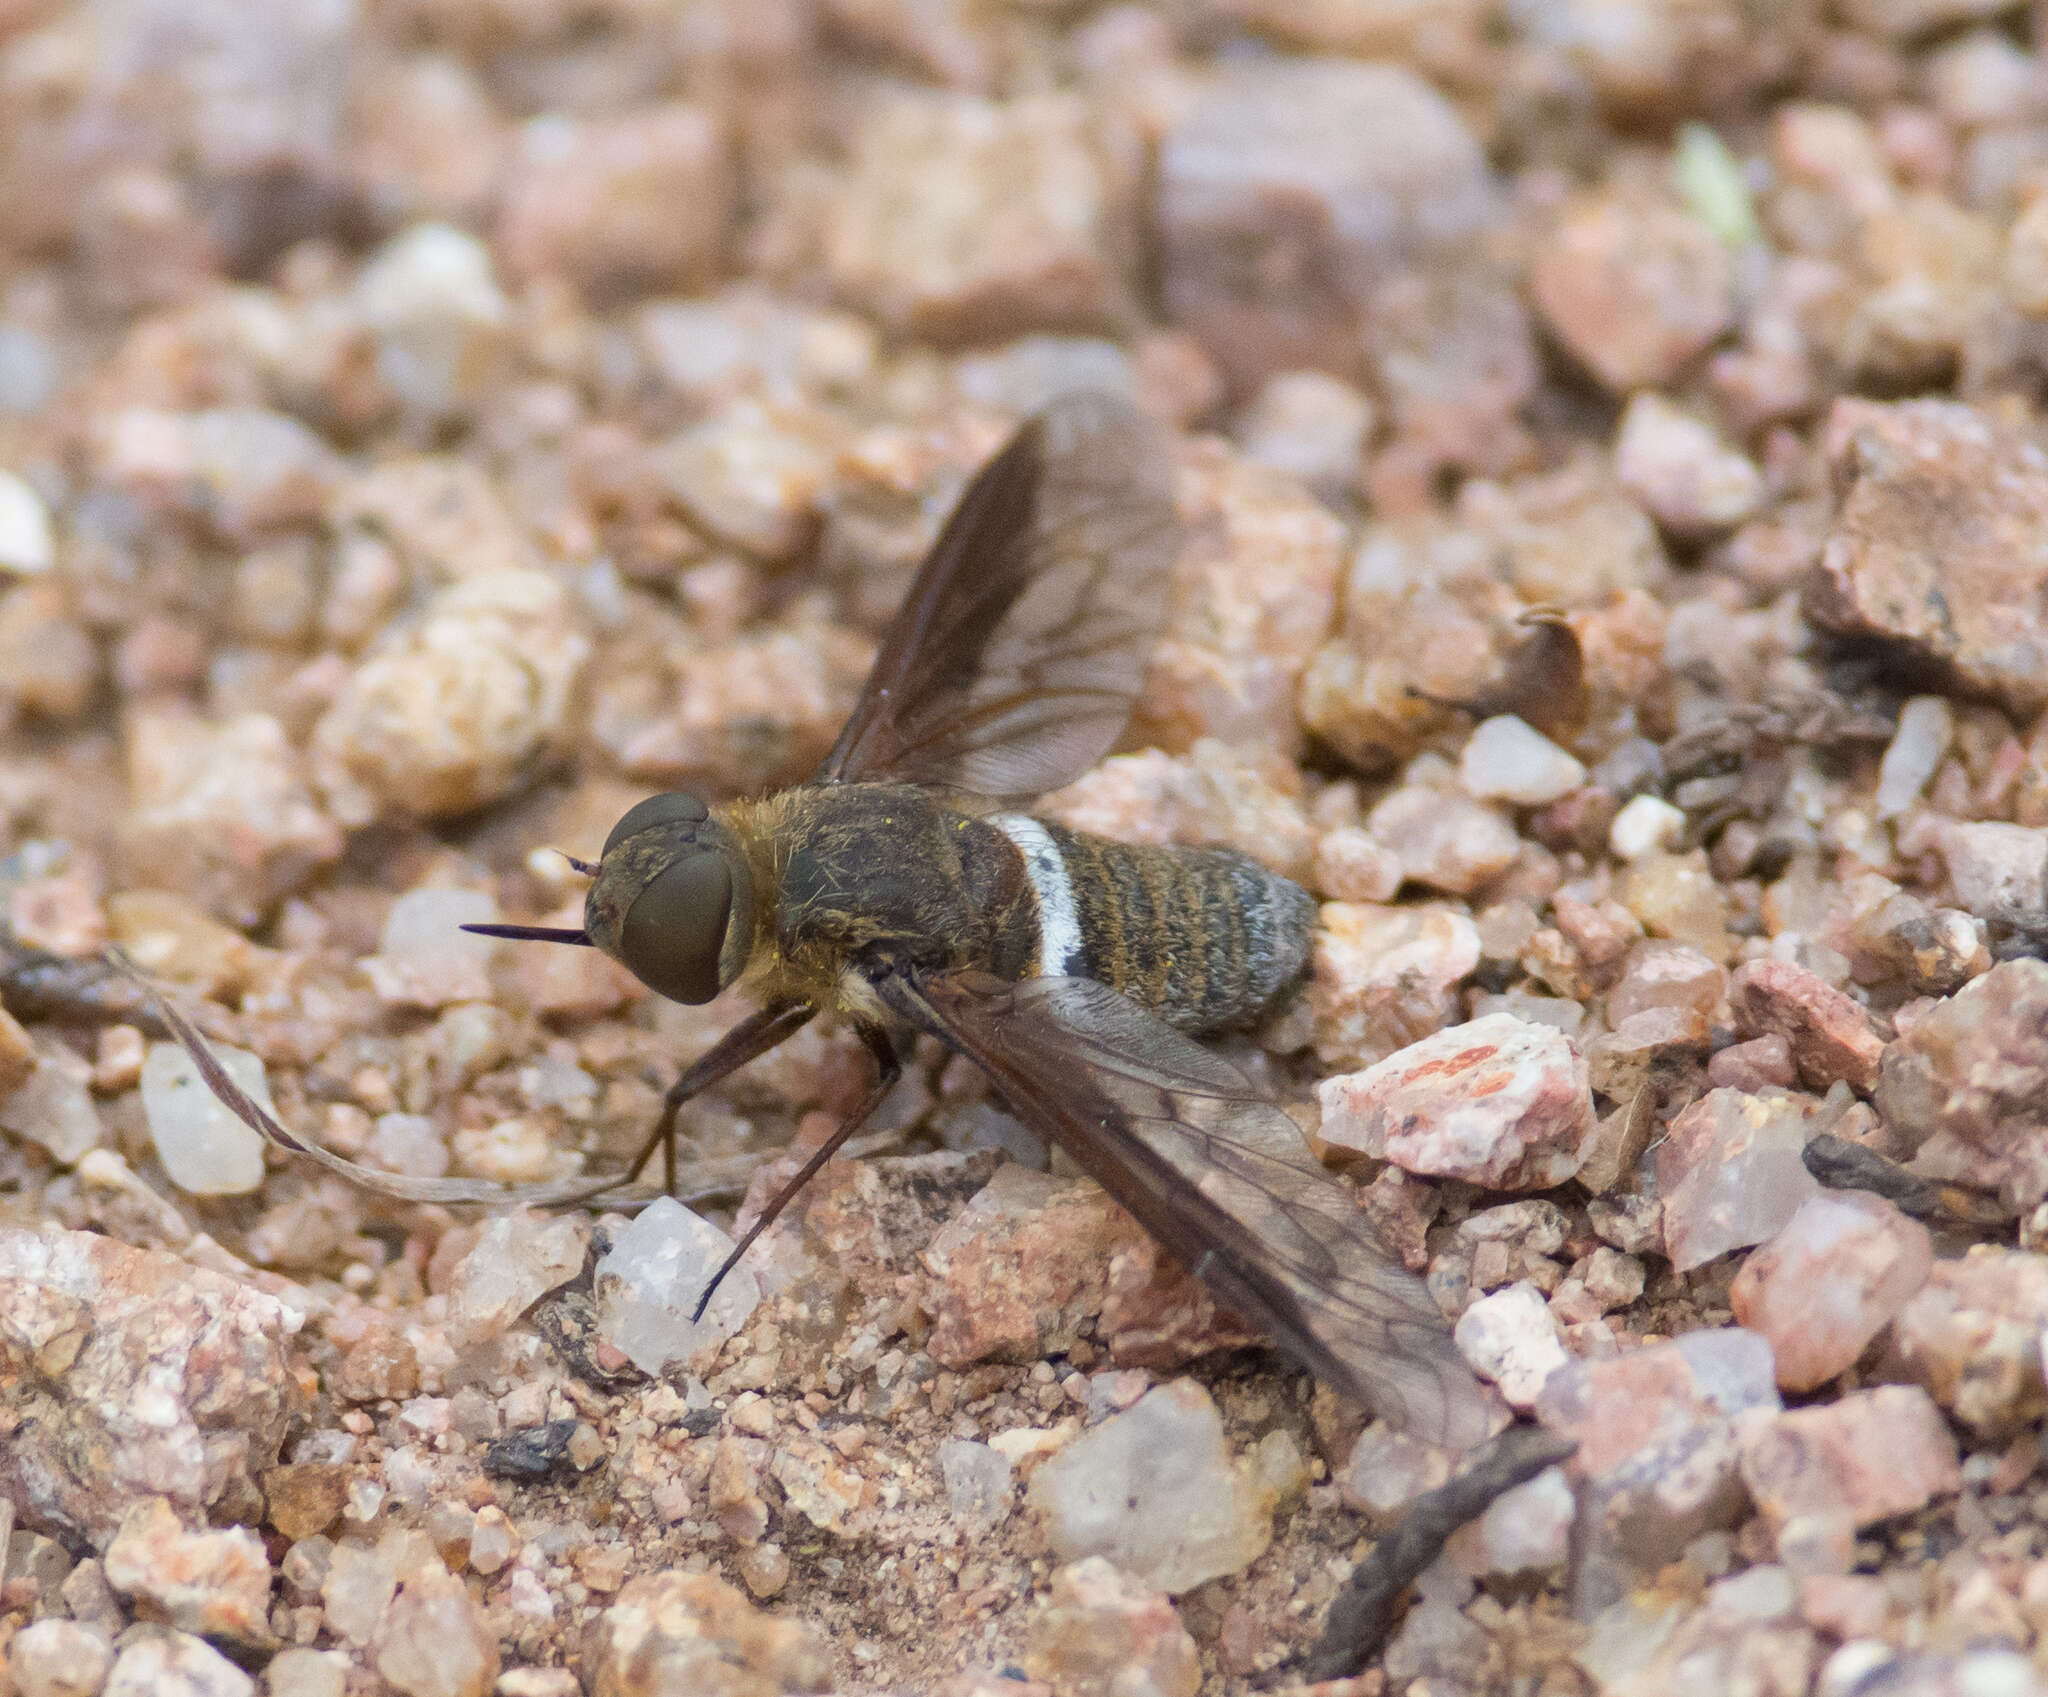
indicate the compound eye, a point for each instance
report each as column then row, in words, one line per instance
column 676, row 927
column 672, row 807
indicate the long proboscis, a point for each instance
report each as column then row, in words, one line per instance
column 533, row 933
column 705, row 1179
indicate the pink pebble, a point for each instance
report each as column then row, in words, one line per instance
column 1829, row 1282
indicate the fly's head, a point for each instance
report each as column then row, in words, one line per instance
column 673, row 900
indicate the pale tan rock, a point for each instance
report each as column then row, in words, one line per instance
column 453, row 711
column 638, row 202
column 1385, row 976
column 962, row 217
column 702, row 1635
column 1863, row 1458
column 1498, row 1101
column 1099, row 1631
column 214, row 1583
column 1634, row 287
column 120, row 1335
column 1831, row 1280
column 1934, row 546
column 221, row 813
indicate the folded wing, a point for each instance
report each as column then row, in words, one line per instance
column 1012, row 665
column 1221, row 1177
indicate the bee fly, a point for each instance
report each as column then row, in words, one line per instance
column 892, row 890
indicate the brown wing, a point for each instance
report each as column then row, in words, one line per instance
column 1012, row 665
column 1221, row 1177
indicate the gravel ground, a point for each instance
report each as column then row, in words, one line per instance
column 1610, row 444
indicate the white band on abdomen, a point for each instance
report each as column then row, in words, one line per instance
column 1059, row 921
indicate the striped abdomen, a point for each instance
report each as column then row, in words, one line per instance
column 1201, row 937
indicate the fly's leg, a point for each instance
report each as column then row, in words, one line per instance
column 888, row 1070
column 753, row 1037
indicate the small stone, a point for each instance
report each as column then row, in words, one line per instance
column 1642, row 1048
column 26, row 545
column 1525, row 1530
column 1443, row 839
column 1511, row 1339
column 978, row 1488
column 49, row 663
column 214, row 1583
column 1760, row 1064
column 242, row 471
column 18, row 1062
column 58, row 914
column 517, row 1260
column 1939, row 510
column 764, row 1569
column 59, row 1658
column 1253, row 594
column 305, row 1498
column 424, row 958
column 1934, row 951
column 492, row 1541
column 1352, row 865
column 1687, row 479
column 307, row 1673
column 172, row 937
column 1998, row 871
column 433, row 1640
column 1675, row 895
column 650, row 1282
column 453, row 709
column 1844, row 1605
column 1211, row 796
column 1021, row 1269
column 816, row 1484
column 1661, row 974
column 1311, row 426
column 1646, row 825
column 1971, row 1338
column 1359, row 172
column 1034, row 371
column 1837, row 1274
column 124, row 1342
column 221, row 813
column 640, row 203
column 1967, row 1080
column 443, row 326
column 411, row 1144
column 964, row 217
column 1865, row 1457
column 710, row 349
column 1513, row 1241
column 1830, row 1034
column 1155, row 1491
column 1633, row 287
column 1387, row 1470
column 52, row 1105
column 357, row 1589
column 205, row 1149
column 1730, row 1172
column 675, row 1634
column 1499, row 1101
column 1916, row 751
column 1102, row 1633
column 760, row 710
column 1506, row 760
column 1657, row 1459
column 749, row 477
column 1598, row 1284
column 158, row 1662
